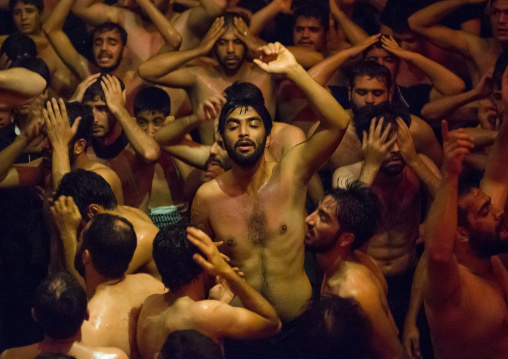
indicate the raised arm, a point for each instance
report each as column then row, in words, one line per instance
column 257, row 319
column 323, row 71
column 495, row 179
column 163, row 68
column 18, row 86
column 426, row 23
column 96, row 12
column 261, row 19
column 144, row 145
column 306, row 158
column 162, row 24
column 201, row 17
column 53, row 28
column 442, row 280
column 444, row 81
column 354, row 33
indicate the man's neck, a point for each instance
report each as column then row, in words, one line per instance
column 194, row 290
column 93, row 280
column 252, row 177
column 332, row 260
column 479, row 266
column 109, row 138
column 235, row 75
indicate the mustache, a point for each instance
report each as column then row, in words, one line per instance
column 245, row 141
column 396, row 156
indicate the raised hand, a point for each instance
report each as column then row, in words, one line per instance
column 456, row 144
column 66, row 215
column 115, row 97
column 213, row 34
column 60, row 133
column 375, row 145
column 356, row 50
column 83, row 86
column 210, row 109
column 212, row 262
column 390, row 45
column 276, row 59
column 405, row 142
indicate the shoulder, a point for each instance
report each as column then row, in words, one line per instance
column 361, row 284
column 419, row 127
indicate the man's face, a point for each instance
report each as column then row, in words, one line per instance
column 5, row 117
column 103, row 120
column 230, row 51
column 245, row 137
column 27, row 18
column 309, row 33
column 219, row 160
column 409, row 41
column 107, row 50
column 499, row 20
column 150, row 121
column 383, row 57
column 368, row 91
column 487, row 230
column 393, row 163
column 323, row 227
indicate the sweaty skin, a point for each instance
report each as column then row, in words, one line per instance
column 114, row 309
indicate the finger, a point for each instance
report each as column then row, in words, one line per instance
column 75, row 125
column 416, row 346
column 386, row 132
column 364, row 140
column 225, row 257
column 391, row 141
column 379, row 127
column 199, row 259
column 63, row 109
column 372, row 127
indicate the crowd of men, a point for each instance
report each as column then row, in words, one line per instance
column 244, row 179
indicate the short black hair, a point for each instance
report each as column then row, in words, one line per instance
column 190, row 344
column 152, row 99
column 320, row 13
column 109, row 26
column 94, row 92
column 229, row 18
column 85, row 127
column 371, row 69
column 86, row 188
column 18, row 45
column 60, row 305
column 335, row 327
column 54, row 356
column 172, row 253
column 358, row 211
column 111, row 241
column 389, row 111
column 34, row 64
column 244, row 95
column 39, row 4
column 499, row 69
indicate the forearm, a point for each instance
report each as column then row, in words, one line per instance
column 263, row 17
column 323, row 71
column 56, row 19
column 433, row 14
column 354, row 33
column 330, row 113
column 442, row 107
column 163, row 25
column 482, row 137
column 20, row 82
column 142, row 143
column 191, row 153
column 60, row 164
column 416, row 298
column 175, row 131
column 368, row 173
column 162, row 64
column 429, row 178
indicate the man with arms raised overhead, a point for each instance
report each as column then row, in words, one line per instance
column 261, row 216
column 465, row 283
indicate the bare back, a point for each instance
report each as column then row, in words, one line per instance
column 77, row 350
column 114, row 311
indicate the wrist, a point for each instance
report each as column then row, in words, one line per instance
column 295, row 72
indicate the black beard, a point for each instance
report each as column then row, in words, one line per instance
column 485, row 244
column 246, row 161
column 109, row 69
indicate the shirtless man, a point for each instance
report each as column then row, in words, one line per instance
column 204, row 82
column 60, row 308
column 464, row 281
column 19, row 86
column 185, row 306
column 94, row 196
column 345, row 221
column 261, row 216
column 119, row 142
column 114, row 298
column 481, row 52
column 401, row 178
column 27, row 18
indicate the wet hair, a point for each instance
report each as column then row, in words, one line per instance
column 94, row 92
column 336, row 328
column 18, row 45
column 152, row 99
column 34, row 64
column 109, row 26
column 244, row 95
column 358, row 211
column 39, row 4
column 86, row 188
column 390, row 112
column 312, row 11
column 172, row 253
column 499, row 69
column 111, row 241
column 85, row 127
column 190, row 344
column 60, row 305
column 371, row 69
column 229, row 19
column 54, row 356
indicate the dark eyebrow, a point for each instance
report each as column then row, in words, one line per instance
column 322, row 212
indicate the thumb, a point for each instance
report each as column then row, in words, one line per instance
column 75, row 125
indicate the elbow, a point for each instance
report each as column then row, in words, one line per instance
column 47, row 29
column 413, row 24
column 152, row 155
column 438, row 254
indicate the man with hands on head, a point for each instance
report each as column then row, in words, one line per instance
column 189, row 263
